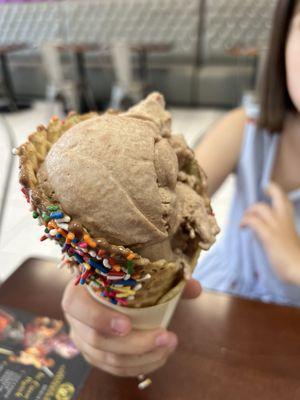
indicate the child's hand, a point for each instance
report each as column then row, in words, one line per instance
column 107, row 340
column 274, row 226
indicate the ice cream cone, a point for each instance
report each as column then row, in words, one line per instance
column 117, row 274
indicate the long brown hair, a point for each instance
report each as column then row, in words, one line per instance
column 274, row 97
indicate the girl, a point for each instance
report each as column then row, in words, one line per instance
column 259, row 255
column 261, row 259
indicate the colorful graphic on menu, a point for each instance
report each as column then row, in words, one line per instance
column 38, row 360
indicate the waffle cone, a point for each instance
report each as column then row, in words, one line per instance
column 167, row 280
column 154, row 314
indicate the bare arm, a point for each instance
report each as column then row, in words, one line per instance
column 218, row 152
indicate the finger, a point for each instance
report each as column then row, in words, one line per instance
column 264, row 212
column 121, row 360
column 258, row 226
column 100, row 361
column 79, row 304
column 135, row 343
column 279, row 199
column 192, row 289
column 126, row 372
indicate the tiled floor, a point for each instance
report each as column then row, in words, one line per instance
column 19, row 232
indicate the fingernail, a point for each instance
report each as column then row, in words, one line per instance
column 166, row 340
column 119, row 326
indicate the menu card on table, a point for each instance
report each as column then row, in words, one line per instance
column 38, row 360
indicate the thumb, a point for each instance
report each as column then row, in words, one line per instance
column 192, row 289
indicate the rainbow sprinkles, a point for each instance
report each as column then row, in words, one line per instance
column 115, row 277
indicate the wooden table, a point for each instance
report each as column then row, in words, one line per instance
column 251, row 52
column 13, row 104
column 230, row 349
column 85, row 93
column 143, row 50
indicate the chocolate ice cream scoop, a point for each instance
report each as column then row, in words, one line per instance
column 117, row 175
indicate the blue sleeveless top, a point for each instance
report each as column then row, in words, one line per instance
column 237, row 263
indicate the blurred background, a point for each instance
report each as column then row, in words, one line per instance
column 205, row 56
